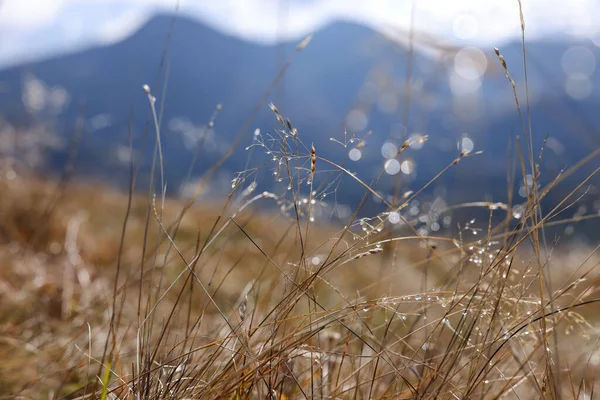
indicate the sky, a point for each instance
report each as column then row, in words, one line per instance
column 36, row 28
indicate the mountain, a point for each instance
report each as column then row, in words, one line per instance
column 349, row 78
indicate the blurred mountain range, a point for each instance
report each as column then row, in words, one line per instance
column 349, row 80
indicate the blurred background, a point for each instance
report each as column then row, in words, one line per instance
column 374, row 75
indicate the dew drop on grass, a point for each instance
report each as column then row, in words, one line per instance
column 394, row 217
column 466, row 144
column 517, row 212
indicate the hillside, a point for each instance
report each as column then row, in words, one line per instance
column 346, row 67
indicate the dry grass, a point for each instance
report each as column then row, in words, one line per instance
column 145, row 297
column 58, row 270
column 227, row 301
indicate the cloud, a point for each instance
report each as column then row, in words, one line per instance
column 31, row 14
column 114, row 30
column 24, row 15
column 491, row 22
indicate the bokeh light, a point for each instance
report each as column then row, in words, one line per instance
column 356, row 120
column 392, row 166
column 389, row 150
column 578, row 87
column 470, row 63
column 578, row 61
column 461, row 86
column 407, row 167
column 355, row 154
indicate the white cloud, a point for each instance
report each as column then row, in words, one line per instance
column 122, row 26
column 33, row 14
column 490, row 22
column 496, row 20
column 28, row 14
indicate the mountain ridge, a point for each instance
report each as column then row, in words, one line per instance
column 341, row 70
